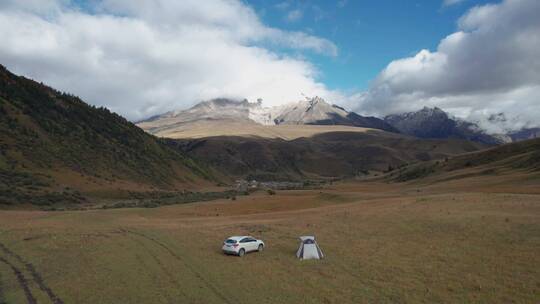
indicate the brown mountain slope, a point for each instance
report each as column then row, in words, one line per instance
column 328, row 155
column 53, row 146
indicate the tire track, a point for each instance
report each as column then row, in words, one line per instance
column 161, row 266
column 36, row 276
column 190, row 267
column 2, row 300
column 23, row 282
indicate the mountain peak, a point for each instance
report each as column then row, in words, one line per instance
column 436, row 123
column 308, row 111
column 315, row 100
column 431, row 111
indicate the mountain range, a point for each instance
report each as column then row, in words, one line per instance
column 223, row 113
column 228, row 117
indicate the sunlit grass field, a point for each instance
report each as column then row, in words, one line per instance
column 383, row 243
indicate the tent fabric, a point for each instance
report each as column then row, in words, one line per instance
column 309, row 249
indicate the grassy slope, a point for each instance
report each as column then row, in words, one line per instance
column 506, row 159
column 383, row 244
column 51, row 141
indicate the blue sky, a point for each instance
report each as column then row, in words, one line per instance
column 369, row 34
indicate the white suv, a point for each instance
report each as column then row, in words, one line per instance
column 241, row 245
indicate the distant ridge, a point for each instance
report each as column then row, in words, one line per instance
column 436, row 123
column 524, row 134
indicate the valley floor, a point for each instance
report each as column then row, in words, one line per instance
column 384, row 243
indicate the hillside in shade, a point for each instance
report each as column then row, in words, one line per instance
column 328, row 155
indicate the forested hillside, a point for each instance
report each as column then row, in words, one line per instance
column 54, row 146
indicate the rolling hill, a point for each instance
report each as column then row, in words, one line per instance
column 55, row 147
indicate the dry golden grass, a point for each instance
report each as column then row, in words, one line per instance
column 201, row 129
column 384, row 243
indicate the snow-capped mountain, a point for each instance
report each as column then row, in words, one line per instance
column 213, row 111
column 238, row 114
column 316, row 111
column 220, row 108
column 436, row 123
column 308, row 111
column 311, row 111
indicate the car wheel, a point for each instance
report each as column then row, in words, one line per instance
column 261, row 247
column 241, row 252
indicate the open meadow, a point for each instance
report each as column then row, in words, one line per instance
column 457, row 242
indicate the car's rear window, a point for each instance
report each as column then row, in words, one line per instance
column 229, row 241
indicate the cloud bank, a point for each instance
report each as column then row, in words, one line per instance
column 490, row 65
column 144, row 58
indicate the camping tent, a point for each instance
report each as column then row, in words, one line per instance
column 309, row 249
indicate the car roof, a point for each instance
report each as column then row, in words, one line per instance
column 238, row 237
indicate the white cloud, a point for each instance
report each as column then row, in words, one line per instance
column 452, row 2
column 294, row 15
column 490, row 65
column 144, row 58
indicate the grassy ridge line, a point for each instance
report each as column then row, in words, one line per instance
column 523, row 155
